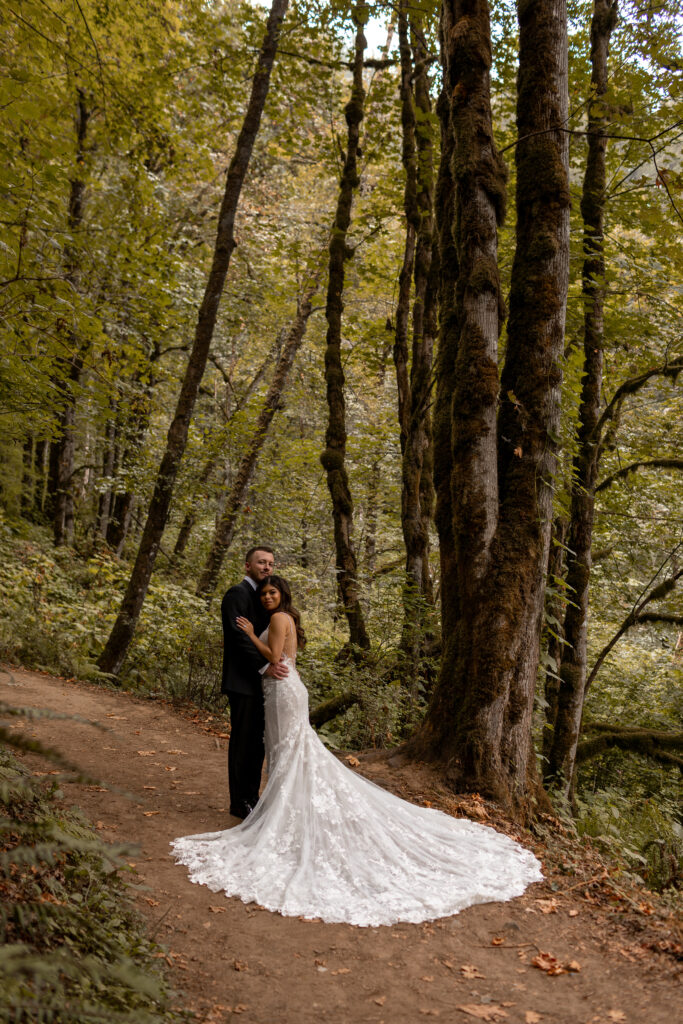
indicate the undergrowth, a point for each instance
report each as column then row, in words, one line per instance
column 72, row 950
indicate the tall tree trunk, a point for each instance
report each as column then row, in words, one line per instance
column 117, row 645
column 333, row 458
column 70, row 369
column 413, row 370
column 414, row 364
column 561, row 758
column 104, row 504
column 479, row 720
column 225, row 529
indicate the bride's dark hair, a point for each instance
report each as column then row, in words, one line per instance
column 285, row 603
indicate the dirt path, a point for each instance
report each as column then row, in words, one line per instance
column 230, row 958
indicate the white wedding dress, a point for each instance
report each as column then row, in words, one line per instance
column 324, row 842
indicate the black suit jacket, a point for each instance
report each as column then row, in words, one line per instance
column 241, row 660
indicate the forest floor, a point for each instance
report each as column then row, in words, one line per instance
column 604, row 952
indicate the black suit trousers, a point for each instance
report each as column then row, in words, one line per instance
column 245, row 749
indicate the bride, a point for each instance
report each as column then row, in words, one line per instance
column 324, row 842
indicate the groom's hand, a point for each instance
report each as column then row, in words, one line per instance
column 278, row 671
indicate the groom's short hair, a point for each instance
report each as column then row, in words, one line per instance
column 258, row 547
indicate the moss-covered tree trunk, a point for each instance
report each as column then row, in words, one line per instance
column 117, row 645
column 479, row 720
column 559, row 768
column 225, row 529
column 413, row 357
column 333, row 457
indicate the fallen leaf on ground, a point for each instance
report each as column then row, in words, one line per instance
column 617, row 1015
column 146, row 753
column 342, row 970
column 531, row 1017
column 552, row 966
column 498, row 940
column 241, row 965
column 119, row 718
column 171, row 768
column 353, row 761
column 547, row 906
column 152, row 903
column 428, row 977
column 191, row 792
column 573, row 913
column 150, row 814
column 176, row 751
column 491, row 1012
column 470, row 971
column 217, row 910
column 240, row 1008
column 380, row 1000
column 149, row 787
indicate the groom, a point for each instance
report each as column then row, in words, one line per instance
column 242, row 665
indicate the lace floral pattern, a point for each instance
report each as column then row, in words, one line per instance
column 324, row 842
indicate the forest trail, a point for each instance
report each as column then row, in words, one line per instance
column 169, row 779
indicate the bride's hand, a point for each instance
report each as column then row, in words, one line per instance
column 245, row 625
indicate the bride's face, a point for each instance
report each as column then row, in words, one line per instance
column 270, row 597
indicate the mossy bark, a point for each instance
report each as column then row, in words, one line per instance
column 559, row 768
column 333, row 458
column 119, row 640
column 413, row 357
column 499, row 507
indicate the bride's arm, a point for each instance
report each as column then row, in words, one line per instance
column 277, row 630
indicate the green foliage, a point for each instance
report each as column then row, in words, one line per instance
column 73, row 950
column 59, row 609
column 644, row 832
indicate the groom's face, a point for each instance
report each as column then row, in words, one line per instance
column 260, row 565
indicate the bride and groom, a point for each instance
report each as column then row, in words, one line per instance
column 322, row 841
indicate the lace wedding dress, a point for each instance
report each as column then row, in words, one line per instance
column 324, row 842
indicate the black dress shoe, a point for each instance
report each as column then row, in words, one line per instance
column 241, row 810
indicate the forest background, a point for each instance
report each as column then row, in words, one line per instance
column 122, row 124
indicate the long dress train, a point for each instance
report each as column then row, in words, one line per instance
column 324, row 842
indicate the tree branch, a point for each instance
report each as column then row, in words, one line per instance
column 634, row 384
column 331, row 708
column 665, row 463
column 659, row 745
column 633, row 617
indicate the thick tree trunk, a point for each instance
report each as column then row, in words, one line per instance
column 225, row 529
column 559, row 769
column 113, row 655
column 479, row 720
column 333, row 458
column 470, row 204
column 70, row 369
